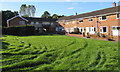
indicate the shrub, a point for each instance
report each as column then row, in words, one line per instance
column 100, row 35
column 20, row 30
column 74, row 32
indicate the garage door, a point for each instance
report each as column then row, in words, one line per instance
column 116, row 30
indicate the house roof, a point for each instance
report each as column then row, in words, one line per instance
column 40, row 19
column 110, row 10
column 33, row 19
column 16, row 17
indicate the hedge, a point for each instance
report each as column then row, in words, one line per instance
column 20, row 30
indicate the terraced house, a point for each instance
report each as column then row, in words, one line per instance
column 41, row 24
column 104, row 21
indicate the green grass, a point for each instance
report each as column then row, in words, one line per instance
column 58, row 52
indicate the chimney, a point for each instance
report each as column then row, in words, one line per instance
column 114, row 4
column 76, row 13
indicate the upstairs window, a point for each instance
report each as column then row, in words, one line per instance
column 90, row 19
column 80, row 21
column 67, row 22
column 118, row 16
column 103, row 18
column 21, row 22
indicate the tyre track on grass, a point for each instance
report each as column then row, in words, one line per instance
column 76, row 51
column 98, row 63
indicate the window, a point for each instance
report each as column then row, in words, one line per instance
column 67, row 30
column 81, row 29
column 73, row 21
column 115, row 28
column 32, row 22
column 103, row 29
column 52, row 23
column 118, row 28
column 37, row 23
column 94, row 29
column 90, row 19
column 46, row 23
column 67, row 22
column 21, row 22
column 103, row 18
column 118, row 16
column 71, row 29
column 81, row 21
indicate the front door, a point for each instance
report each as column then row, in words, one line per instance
column 92, row 30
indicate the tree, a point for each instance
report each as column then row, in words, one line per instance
column 33, row 9
column 54, row 16
column 27, row 10
column 61, row 16
column 7, row 15
column 46, row 14
column 23, row 10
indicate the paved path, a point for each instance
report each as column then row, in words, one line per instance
column 81, row 36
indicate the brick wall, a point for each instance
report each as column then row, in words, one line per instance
column 111, row 21
column 15, row 22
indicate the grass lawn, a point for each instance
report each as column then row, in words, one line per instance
column 58, row 52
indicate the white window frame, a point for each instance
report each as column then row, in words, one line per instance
column 46, row 23
column 32, row 23
column 67, row 22
column 114, row 26
column 72, row 29
column 102, row 29
column 82, row 29
column 21, row 22
column 81, row 20
column 52, row 23
column 100, row 18
column 73, row 21
column 67, row 29
column 117, row 15
column 36, row 23
column 90, row 19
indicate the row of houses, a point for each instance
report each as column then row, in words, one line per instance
column 41, row 24
column 104, row 21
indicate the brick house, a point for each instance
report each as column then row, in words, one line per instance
column 104, row 21
column 41, row 24
column 16, row 21
column 46, row 24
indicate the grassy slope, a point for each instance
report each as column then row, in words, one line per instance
column 58, row 53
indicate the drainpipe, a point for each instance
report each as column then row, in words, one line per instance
column 97, row 24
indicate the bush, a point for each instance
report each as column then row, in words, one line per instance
column 77, row 32
column 20, row 30
column 100, row 35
